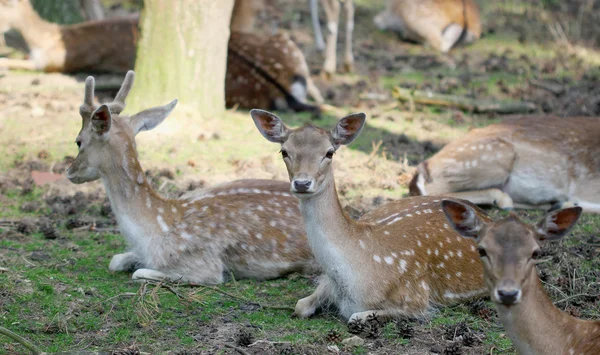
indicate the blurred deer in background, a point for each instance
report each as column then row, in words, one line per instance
column 509, row 249
column 251, row 228
column 244, row 18
column 522, row 162
column 397, row 260
column 441, row 23
column 268, row 72
column 104, row 45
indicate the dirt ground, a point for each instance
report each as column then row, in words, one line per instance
column 56, row 239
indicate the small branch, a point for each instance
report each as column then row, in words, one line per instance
column 556, row 89
column 576, row 296
column 463, row 103
column 19, row 339
column 239, row 350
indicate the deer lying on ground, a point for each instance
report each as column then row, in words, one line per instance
column 244, row 18
column 524, row 162
column 441, row 23
column 508, row 249
column 397, row 260
column 251, row 228
column 263, row 71
column 104, row 45
column 268, row 72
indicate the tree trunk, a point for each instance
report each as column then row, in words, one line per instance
column 64, row 12
column 182, row 53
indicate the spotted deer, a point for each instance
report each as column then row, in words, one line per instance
column 442, row 24
column 245, row 13
column 250, row 228
column 104, row 45
column 268, row 72
column 522, row 162
column 508, row 250
column 397, row 260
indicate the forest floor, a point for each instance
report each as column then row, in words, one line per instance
column 56, row 240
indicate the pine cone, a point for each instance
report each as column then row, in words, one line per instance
column 25, row 227
column 333, row 336
column 404, row 328
column 453, row 349
column 244, row 337
column 48, row 230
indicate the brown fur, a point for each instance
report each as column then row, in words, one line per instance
column 532, row 160
column 426, row 20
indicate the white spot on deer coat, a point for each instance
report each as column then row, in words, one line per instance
column 377, row 258
column 162, row 224
column 389, row 260
column 402, row 266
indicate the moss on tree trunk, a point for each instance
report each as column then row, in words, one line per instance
column 182, row 53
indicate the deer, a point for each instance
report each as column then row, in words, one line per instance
column 443, row 24
column 542, row 162
column 244, row 19
column 248, row 228
column 268, row 72
column 262, row 71
column 103, row 45
column 397, row 260
column 509, row 249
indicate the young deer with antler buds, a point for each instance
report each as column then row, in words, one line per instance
column 441, row 23
column 252, row 228
column 523, row 162
column 396, row 260
column 508, row 249
column 104, row 45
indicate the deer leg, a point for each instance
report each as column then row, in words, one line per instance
column 314, row 14
column 307, row 306
column 123, row 262
column 450, row 36
column 314, row 91
column 149, row 274
column 485, row 197
column 348, row 56
column 332, row 10
column 382, row 315
column 22, row 64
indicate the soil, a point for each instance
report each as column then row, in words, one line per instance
column 83, row 208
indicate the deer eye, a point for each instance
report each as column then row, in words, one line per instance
column 330, row 154
column 482, row 252
column 536, row 254
column 284, row 153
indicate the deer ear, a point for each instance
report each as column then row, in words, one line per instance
column 150, row 118
column 348, row 128
column 557, row 224
column 270, row 126
column 463, row 218
column 101, row 120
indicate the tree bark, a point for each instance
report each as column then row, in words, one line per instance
column 64, row 12
column 182, row 53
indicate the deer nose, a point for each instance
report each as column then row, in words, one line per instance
column 508, row 296
column 302, row 185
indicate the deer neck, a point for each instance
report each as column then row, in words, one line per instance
column 36, row 31
column 328, row 230
column 535, row 325
column 140, row 212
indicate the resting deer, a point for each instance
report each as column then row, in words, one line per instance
column 441, row 23
column 268, row 72
column 104, row 45
column 523, row 162
column 508, row 249
column 245, row 12
column 251, row 228
column 397, row 260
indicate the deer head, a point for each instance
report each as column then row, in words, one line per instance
column 11, row 12
column 106, row 139
column 508, row 248
column 308, row 151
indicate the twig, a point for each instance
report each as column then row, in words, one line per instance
column 575, row 296
column 556, row 89
column 19, row 339
column 3, row 269
column 27, row 261
column 239, row 350
column 472, row 105
column 268, row 342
